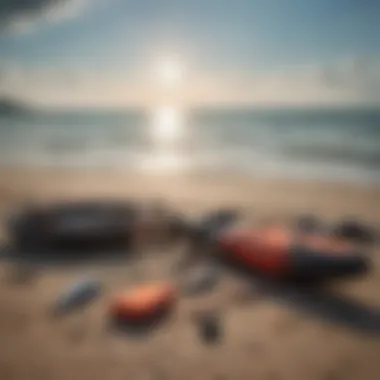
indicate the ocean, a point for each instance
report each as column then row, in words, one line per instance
column 325, row 144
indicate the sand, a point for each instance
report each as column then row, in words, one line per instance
column 262, row 339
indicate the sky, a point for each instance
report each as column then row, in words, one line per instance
column 95, row 53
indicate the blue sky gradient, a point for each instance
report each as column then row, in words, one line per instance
column 212, row 38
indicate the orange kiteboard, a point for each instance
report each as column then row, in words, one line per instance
column 144, row 302
column 279, row 252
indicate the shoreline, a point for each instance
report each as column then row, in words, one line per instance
column 191, row 174
column 327, row 199
column 198, row 175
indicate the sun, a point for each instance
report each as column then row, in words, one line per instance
column 169, row 72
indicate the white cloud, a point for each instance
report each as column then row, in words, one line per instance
column 23, row 17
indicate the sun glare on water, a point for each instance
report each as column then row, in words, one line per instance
column 167, row 131
column 167, row 123
column 168, row 117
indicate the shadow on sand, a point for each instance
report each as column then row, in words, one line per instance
column 317, row 301
column 324, row 304
column 67, row 257
column 140, row 330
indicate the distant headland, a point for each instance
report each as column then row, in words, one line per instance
column 11, row 107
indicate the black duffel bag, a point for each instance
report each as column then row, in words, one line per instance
column 73, row 225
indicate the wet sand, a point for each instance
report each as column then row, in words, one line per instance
column 263, row 339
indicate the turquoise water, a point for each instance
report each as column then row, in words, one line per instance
column 342, row 145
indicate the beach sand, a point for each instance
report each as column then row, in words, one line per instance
column 262, row 339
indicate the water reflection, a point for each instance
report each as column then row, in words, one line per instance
column 168, row 124
column 168, row 129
